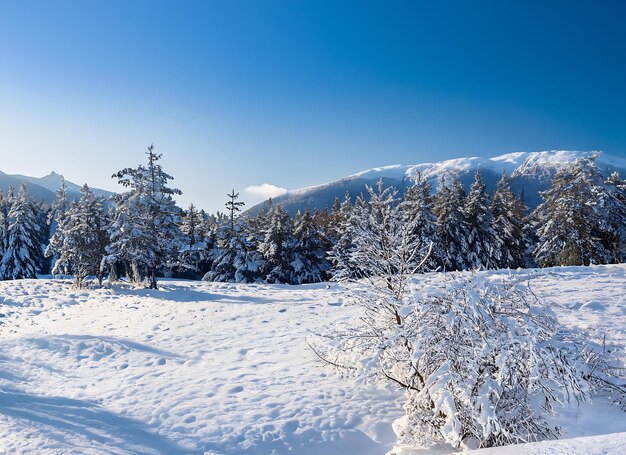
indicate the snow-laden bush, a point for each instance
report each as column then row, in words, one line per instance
column 482, row 362
column 488, row 366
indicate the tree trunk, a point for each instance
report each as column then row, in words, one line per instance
column 153, row 283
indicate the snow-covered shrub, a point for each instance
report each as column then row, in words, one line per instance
column 488, row 365
column 482, row 362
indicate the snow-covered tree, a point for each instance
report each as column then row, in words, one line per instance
column 5, row 207
column 483, row 252
column 509, row 221
column 277, row 246
column 22, row 253
column 612, row 206
column 385, row 248
column 452, row 229
column 569, row 223
column 81, row 238
column 235, row 257
column 194, row 248
column 486, row 366
column 234, row 207
column 308, row 263
column 59, row 206
column 483, row 363
column 58, row 209
column 144, row 229
column 343, row 221
column 417, row 209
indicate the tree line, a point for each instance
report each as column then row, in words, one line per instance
column 141, row 233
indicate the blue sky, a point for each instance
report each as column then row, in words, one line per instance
column 295, row 93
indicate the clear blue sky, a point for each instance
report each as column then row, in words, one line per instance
column 294, row 93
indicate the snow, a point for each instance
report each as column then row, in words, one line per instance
column 603, row 444
column 225, row 368
column 200, row 366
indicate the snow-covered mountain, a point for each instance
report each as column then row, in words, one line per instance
column 44, row 188
column 530, row 173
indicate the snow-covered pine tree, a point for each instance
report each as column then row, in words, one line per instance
column 23, row 250
column 145, row 224
column 5, row 207
column 452, row 229
column 234, row 207
column 483, row 252
column 322, row 220
column 569, row 225
column 81, row 238
column 194, row 248
column 509, row 220
column 340, row 256
column 277, row 246
column 417, row 208
column 57, row 211
column 334, row 221
column 308, row 264
column 59, row 206
column 235, row 258
column 612, row 205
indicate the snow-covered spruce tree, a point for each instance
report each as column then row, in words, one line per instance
column 59, row 206
column 308, row 263
column 570, row 229
column 5, row 207
column 417, row 209
column 193, row 250
column 234, row 207
column 452, row 229
column 612, row 205
column 483, row 252
column 277, row 247
column 235, row 257
column 58, row 209
column 22, row 252
column 335, row 221
column 81, row 238
column 144, row 229
column 509, row 221
column 323, row 223
column 342, row 225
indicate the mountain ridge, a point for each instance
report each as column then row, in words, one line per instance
column 44, row 188
column 529, row 172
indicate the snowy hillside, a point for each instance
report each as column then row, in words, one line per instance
column 225, row 368
column 44, row 188
column 530, row 172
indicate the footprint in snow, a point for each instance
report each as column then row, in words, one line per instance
column 237, row 389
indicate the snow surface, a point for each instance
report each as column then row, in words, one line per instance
column 225, row 368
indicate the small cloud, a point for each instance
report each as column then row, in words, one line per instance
column 266, row 190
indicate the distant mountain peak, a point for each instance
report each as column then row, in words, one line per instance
column 530, row 172
column 45, row 188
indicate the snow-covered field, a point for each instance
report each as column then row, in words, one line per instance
column 224, row 368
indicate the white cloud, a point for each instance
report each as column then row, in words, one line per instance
column 266, row 190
